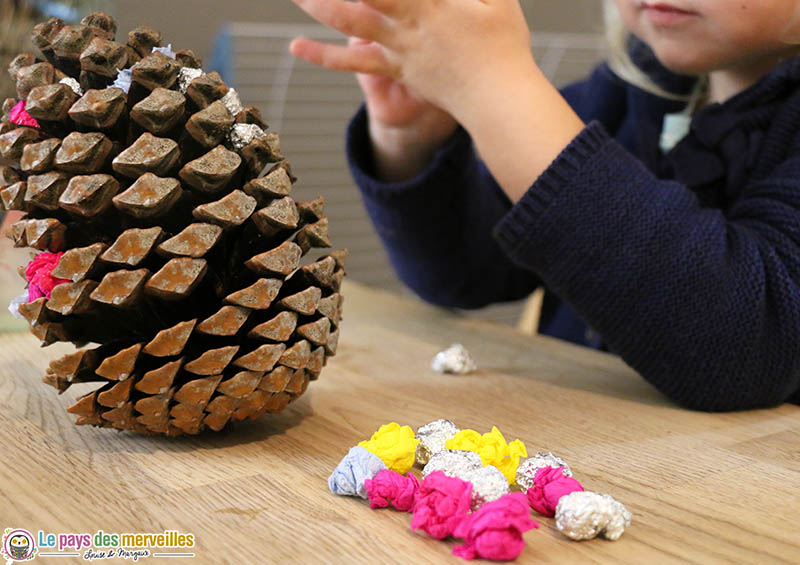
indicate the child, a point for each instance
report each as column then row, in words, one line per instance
column 685, row 259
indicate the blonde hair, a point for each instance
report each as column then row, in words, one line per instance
column 619, row 59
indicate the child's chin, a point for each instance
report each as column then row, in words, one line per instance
column 684, row 66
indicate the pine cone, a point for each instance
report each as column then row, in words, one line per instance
column 183, row 246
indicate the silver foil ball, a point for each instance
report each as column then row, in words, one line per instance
column 488, row 484
column 73, row 84
column 526, row 472
column 232, row 102
column 453, row 463
column 455, row 359
column 584, row 515
column 432, row 438
column 185, row 77
column 240, row 135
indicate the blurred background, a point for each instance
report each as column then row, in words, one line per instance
column 246, row 42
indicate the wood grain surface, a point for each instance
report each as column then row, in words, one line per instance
column 703, row 488
column 11, row 283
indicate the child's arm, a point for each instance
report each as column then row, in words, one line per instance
column 436, row 226
column 471, row 58
column 704, row 304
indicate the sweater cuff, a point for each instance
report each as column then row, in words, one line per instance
column 513, row 230
column 448, row 161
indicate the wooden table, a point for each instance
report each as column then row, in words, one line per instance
column 702, row 487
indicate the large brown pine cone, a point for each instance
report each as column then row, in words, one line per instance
column 189, row 294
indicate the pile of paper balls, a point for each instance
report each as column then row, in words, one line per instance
column 476, row 487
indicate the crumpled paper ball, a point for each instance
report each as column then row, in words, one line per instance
column 18, row 115
column 165, row 51
column 527, row 469
column 395, row 445
column 185, row 77
column 492, row 448
column 584, row 515
column 432, row 438
column 16, row 302
column 123, row 80
column 232, row 101
column 548, row 487
column 240, row 135
column 388, row 487
column 353, row 470
column 73, row 84
column 488, row 484
column 455, row 360
column 453, row 463
column 40, row 281
column 495, row 530
column 442, row 503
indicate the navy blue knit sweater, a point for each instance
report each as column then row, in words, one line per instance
column 687, row 264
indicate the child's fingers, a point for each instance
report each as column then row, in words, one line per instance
column 350, row 18
column 367, row 58
column 393, row 8
column 358, row 41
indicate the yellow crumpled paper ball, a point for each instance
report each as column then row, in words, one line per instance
column 395, row 445
column 492, row 448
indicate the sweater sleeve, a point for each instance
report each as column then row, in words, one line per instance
column 704, row 303
column 437, row 227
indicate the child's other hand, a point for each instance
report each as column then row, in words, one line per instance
column 458, row 54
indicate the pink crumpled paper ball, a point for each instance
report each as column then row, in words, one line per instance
column 40, row 281
column 19, row 116
column 442, row 503
column 495, row 530
column 390, row 487
column 549, row 485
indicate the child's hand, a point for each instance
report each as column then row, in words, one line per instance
column 450, row 52
column 389, row 101
column 405, row 129
column 472, row 59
